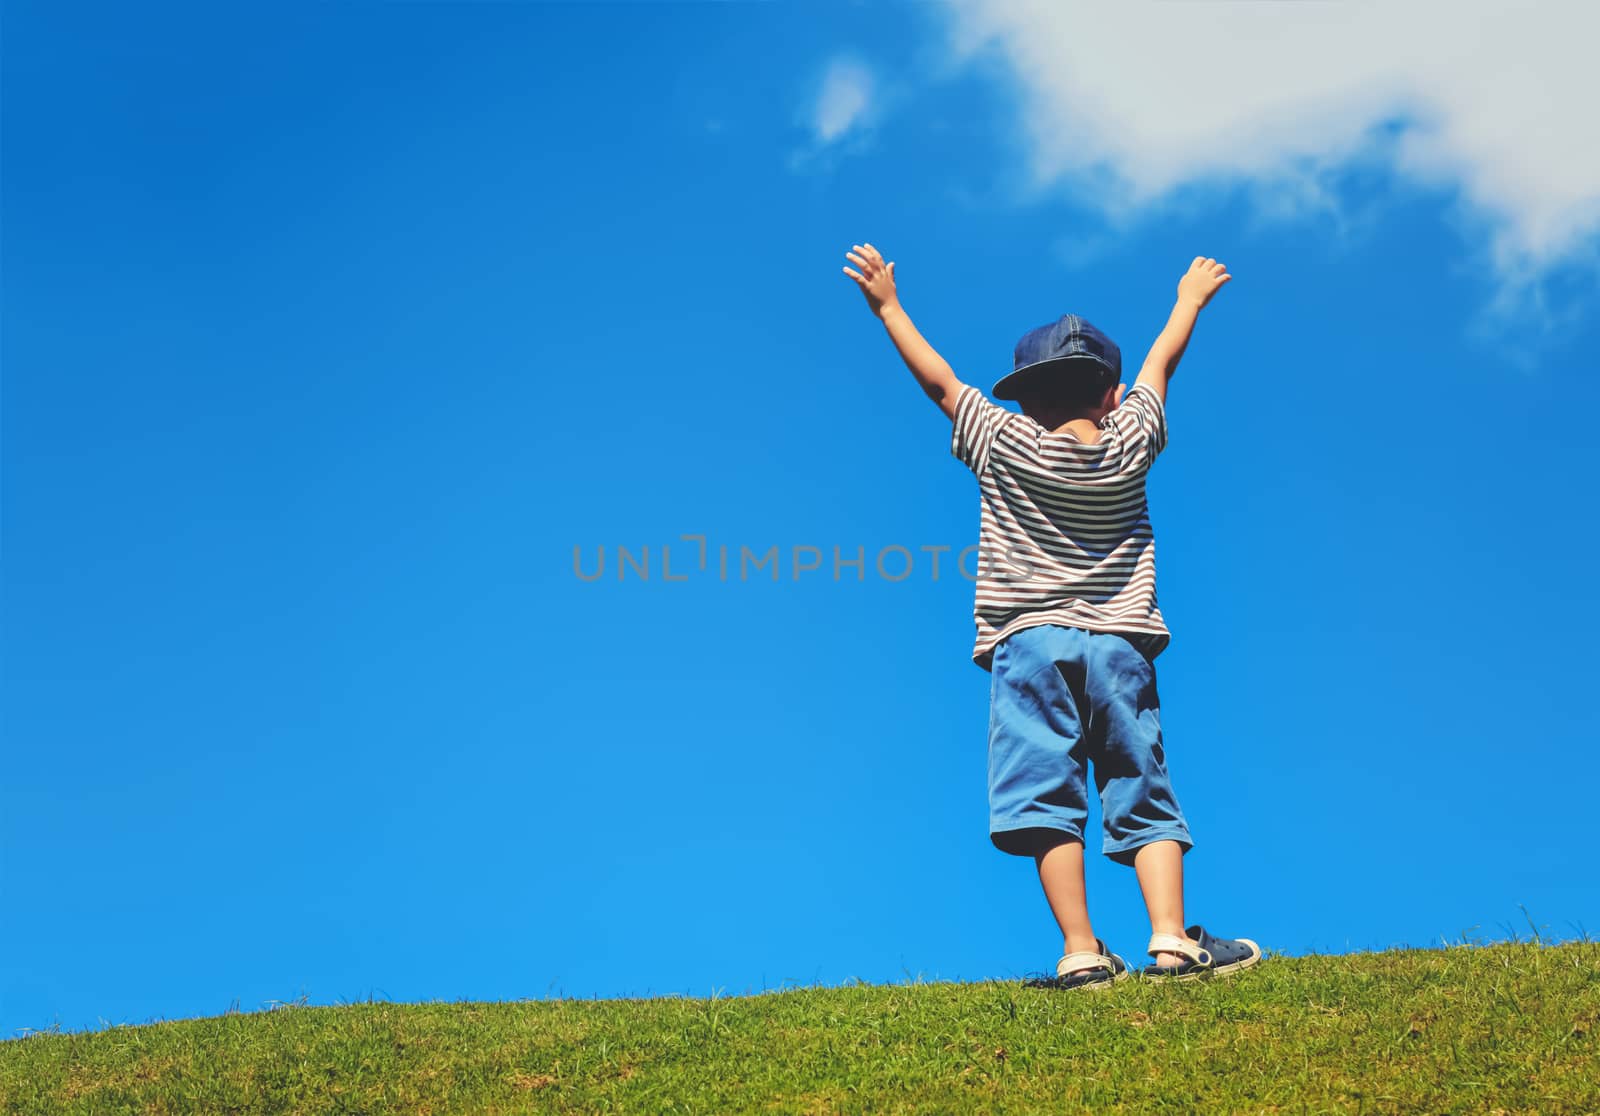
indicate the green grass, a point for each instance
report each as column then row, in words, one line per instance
column 1496, row 1028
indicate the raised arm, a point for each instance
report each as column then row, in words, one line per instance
column 932, row 372
column 1203, row 279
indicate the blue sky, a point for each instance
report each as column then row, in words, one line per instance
column 331, row 333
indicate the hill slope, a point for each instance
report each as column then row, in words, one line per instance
column 1507, row 1027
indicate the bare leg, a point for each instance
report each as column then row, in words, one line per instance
column 1061, row 874
column 1160, row 868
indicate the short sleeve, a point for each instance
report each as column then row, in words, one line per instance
column 1139, row 422
column 976, row 423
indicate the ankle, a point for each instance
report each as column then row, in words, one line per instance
column 1079, row 944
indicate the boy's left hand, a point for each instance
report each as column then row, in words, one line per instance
column 877, row 284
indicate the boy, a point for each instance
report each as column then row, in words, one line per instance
column 1066, row 613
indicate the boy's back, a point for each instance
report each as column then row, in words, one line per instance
column 1065, row 532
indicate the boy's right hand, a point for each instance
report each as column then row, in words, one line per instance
column 877, row 282
column 1203, row 279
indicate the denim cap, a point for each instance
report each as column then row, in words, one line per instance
column 1067, row 345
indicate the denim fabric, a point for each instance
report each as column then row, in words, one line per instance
column 1060, row 699
column 1068, row 346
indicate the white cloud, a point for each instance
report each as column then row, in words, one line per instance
column 843, row 101
column 1130, row 102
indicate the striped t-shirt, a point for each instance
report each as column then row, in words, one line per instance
column 1065, row 532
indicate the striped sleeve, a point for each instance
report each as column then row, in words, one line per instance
column 1140, row 423
column 976, row 423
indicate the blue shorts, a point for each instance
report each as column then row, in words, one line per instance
column 1061, row 698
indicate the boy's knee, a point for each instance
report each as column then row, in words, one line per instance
column 1126, row 852
column 1034, row 841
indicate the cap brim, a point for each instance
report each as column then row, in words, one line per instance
column 1007, row 386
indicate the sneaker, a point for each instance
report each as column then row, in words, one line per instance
column 1107, row 969
column 1204, row 956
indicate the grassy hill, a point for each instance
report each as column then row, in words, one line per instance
column 1481, row 1029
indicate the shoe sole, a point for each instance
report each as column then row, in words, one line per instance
column 1100, row 984
column 1208, row 974
column 1091, row 984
